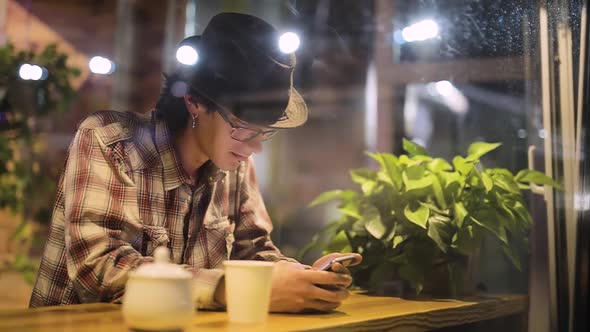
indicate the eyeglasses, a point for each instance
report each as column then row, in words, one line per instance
column 244, row 134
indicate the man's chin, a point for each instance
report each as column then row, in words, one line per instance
column 227, row 165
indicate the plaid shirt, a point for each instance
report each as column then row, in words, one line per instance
column 123, row 193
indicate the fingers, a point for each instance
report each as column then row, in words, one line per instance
column 339, row 268
column 327, row 278
column 326, row 300
column 321, row 305
column 335, row 294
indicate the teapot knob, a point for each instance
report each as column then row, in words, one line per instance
column 162, row 255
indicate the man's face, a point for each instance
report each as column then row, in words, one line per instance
column 214, row 138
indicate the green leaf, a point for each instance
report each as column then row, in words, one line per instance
column 500, row 171
column 488, row 183
column 398, row 239
column 369, row 187
column 351, row 209
column 390, row 165
column 438, row 191
column 366, row 178
column 422, row 159
column 317, row 241
column 383, row 176
column 522, row 212
column 460, row 213
column 536, row 177
column 462, row 166
column 465, row 240
column 358, row 227
column 413, row 149
column 414, row 178
column 512, row 256
column 438, row 231
column 404, row 160
column 478, row 149
column 488, row 219
column 418, row 216
column 453, row 184
column 339, row 243
column 506, row 182
column 334, row 194
column 373, row 223
column 314, row 245
column 440, row 217
column 363, row 175
column 436, row 209
column 439, row 165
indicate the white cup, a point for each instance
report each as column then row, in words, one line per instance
column 247, row 289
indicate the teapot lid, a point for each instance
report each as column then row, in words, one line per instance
column 161, row 268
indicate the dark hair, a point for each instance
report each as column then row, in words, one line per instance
column 170, row 106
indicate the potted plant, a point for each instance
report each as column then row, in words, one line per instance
column 26, row 187
column 421, row 219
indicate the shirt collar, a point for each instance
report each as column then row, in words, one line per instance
column 173, row 173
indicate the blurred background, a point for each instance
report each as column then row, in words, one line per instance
column 441, row 73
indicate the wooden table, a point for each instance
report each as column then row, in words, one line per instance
column 359, row 313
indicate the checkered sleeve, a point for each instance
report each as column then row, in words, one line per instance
column 101, row 220
column 204, row 285
column 253, row 226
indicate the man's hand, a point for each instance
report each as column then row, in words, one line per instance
column 295, row 288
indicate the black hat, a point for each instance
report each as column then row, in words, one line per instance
column 241, row 69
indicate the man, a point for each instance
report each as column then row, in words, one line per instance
column 183, row 177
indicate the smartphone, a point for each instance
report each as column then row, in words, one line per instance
column 342, row 259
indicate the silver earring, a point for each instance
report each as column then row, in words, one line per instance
column 194, row 124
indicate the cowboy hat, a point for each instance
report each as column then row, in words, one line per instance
column 241, row 69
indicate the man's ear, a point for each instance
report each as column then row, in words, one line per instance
column 192, row 105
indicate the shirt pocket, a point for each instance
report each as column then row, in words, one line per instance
column 153, row 237
column 217, row 223
column 219, row 230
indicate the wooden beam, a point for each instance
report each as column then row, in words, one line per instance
column 399, row 75
column 465, row 70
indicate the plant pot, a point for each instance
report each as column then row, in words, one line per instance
column 440, row 284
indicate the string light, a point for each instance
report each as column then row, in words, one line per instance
column 289, row 42
column 101, row 65
column 187, row 55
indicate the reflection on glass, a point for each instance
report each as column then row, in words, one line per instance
column 441, row 73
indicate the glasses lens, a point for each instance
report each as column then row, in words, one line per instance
column 268, row 134
column 244, row 134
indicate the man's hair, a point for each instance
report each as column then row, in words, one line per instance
column 170, row 106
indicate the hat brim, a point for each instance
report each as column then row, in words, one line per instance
column 296, row 113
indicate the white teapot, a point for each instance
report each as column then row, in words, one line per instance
column 158, row 296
